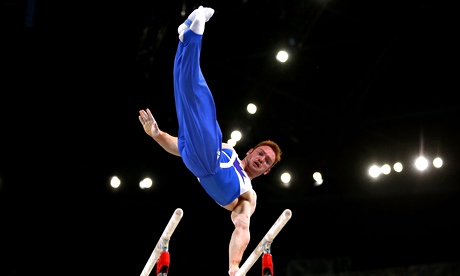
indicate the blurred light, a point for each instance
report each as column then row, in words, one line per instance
column 282, row 56
column 251, row 108
column 374, row 171
column 146, row 183
column 286, row 179
column 115, row 182
column 421, row 163
column 385, row 169
column 317, row 176
column 437, row 162
column 236, row 135
column 318, row 182
column 398, row 167
column 231, row 142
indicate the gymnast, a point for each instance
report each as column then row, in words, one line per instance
column 219, row 170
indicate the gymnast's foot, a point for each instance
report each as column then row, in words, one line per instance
column 208, row 12
column 202, row 16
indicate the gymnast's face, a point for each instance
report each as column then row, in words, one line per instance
column 260, row 160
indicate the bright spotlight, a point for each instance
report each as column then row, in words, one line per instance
column 282, row 56
column 374, row 171
column 236, row 135
column 231, row 142
column 146, row 183
column 421, row 163
column 317, row 176
column 115, row 182
column 251, row 108
column 286, row 179
column 437, row 162
column 386, row 169
column 398, row 167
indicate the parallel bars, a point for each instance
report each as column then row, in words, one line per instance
column 263, row 245
column 265, row 242
column 163, row 241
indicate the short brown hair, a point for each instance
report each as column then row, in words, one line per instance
column 274, row 146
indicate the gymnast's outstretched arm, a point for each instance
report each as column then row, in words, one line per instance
column 166, row 141
column 241, row 216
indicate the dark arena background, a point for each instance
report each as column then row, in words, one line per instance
column 365, row 83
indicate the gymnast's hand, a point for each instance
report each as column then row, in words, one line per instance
column 149, row 123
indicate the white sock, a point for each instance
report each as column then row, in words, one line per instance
column 187, row 22
column 202, row 16
column 208, row 12
column 197, row 25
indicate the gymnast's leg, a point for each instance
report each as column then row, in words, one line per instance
column 200, row 137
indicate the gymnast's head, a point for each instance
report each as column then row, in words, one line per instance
column 262, row 158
